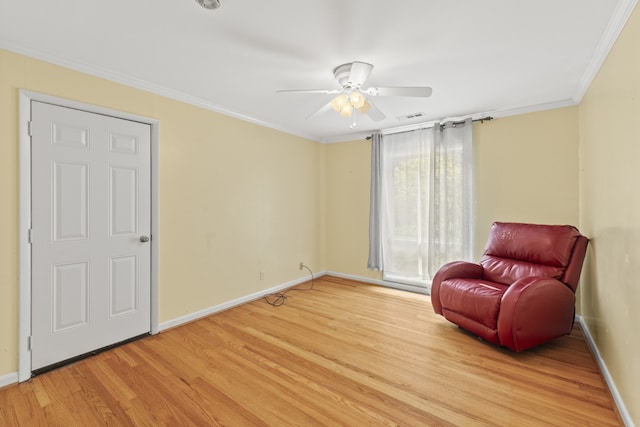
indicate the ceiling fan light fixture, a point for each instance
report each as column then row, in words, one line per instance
column 357, row 99
column 364, row 107
column 339, row 101
column 346, row 110
column 210, row 4
column 345, row 104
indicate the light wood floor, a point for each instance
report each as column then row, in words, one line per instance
column 344, row 353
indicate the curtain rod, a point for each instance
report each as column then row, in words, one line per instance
column 460, row 122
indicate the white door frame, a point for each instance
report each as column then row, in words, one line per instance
column 24, row 325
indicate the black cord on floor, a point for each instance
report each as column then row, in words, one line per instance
column 278, row 298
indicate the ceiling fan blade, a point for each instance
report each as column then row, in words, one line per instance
column 326, row 107
column 372, row 111
column 421, row 92
column 359, row 73
column 324, row 91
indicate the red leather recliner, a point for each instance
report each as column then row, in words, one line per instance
column 522, row 293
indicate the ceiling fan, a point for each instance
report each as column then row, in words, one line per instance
column 353, row 96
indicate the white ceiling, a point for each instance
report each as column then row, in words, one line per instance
column 494, row 57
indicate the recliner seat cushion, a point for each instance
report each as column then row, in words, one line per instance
column 478, row 300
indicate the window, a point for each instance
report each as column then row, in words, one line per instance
column 425, row 218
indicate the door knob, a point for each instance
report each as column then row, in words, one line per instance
column 144, row 238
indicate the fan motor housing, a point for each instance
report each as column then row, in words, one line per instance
column 343, row 73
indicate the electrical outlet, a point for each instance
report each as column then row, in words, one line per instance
column 301, row 265
column 262, row 275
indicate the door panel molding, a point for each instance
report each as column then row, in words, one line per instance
column 69, row 135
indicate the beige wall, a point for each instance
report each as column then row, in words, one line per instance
column 348, row 176
column 610, row 212
column 526, row 169
column 235, row 198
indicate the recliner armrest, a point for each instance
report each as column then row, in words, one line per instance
column 455, row 269
column 534, row 310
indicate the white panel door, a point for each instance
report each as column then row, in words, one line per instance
column 91, row 218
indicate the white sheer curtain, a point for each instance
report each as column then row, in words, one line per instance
column 426, row 203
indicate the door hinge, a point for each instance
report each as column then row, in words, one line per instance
column 30, row 235
column 29, row 128
column 29, row 342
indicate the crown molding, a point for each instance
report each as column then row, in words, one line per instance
column 618, row 19
column 527, row 109
column 500, row 113
column 145, row 86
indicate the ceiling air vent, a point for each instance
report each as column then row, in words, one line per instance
column 410, row 116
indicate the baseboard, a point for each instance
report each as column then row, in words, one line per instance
column 252, row 297
column 379, row 282
column 622, row 409
column 8, row 379
column 233, row 303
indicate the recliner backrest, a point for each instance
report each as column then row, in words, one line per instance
column 517, row 250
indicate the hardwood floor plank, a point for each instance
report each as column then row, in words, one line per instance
column 344, row 353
